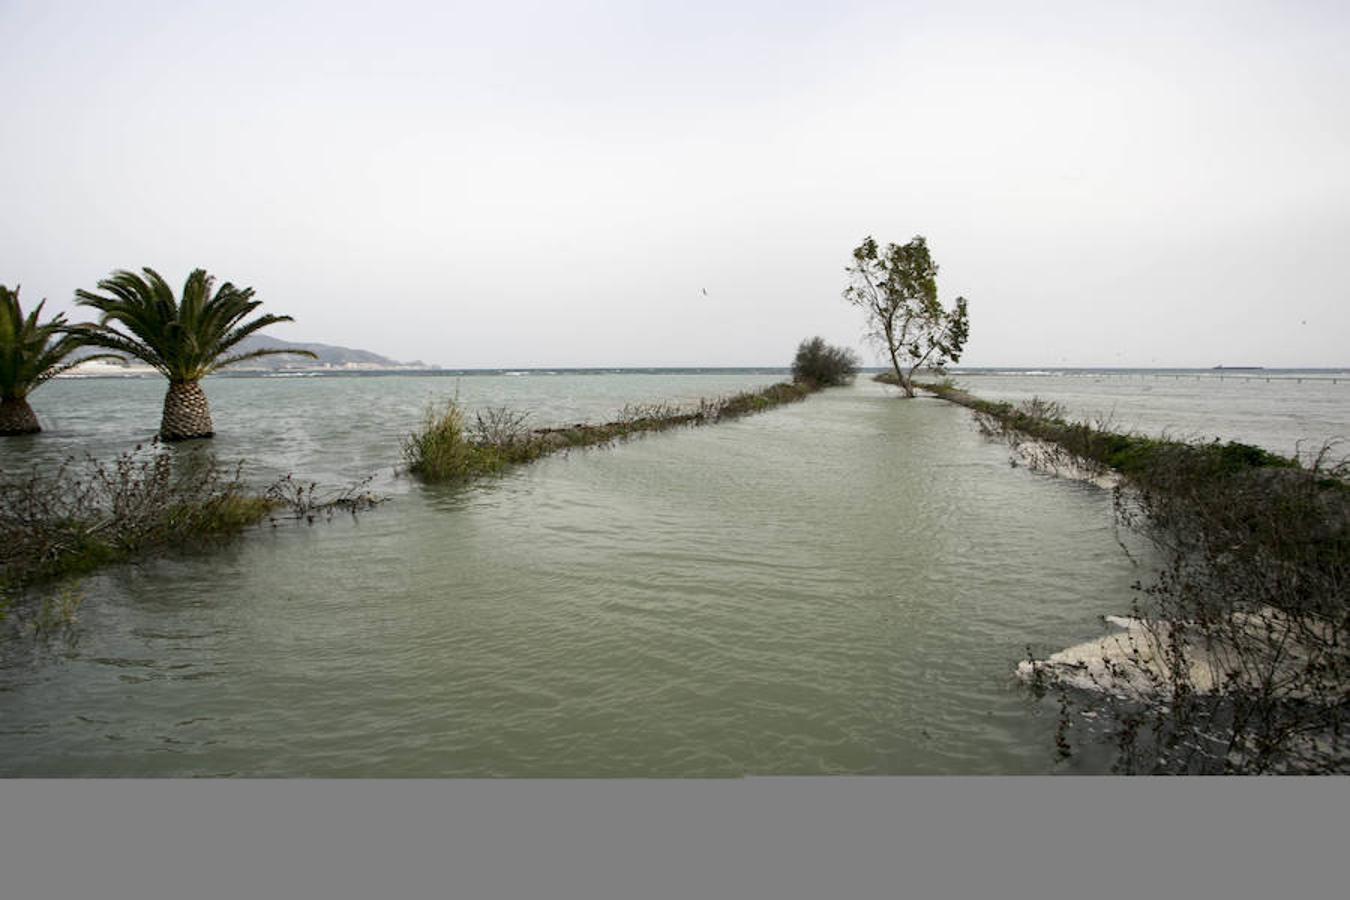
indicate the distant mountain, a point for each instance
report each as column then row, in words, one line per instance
column 330, row 356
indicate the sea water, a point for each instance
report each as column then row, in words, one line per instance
column 842, row 585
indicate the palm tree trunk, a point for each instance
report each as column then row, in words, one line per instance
column 17, row 417
column 187, row 415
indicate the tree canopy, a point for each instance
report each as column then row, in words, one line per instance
column 823, row 365
column 897, row 289
column 186, row 340
column 31, row 352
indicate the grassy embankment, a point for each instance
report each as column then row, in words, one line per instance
column 1130, row 455
column 1238, row 658
column 448, row 448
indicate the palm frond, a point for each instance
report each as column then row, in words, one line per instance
column 238, row 334
column 186, row 339
column 67, row 366
column 254, row 354
column 90, row 335
column 31, row 351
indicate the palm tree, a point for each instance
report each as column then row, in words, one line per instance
column 185, row 341
column 28, row 358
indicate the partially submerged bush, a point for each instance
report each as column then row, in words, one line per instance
column 823, row 365
column 43, row 614
column 1096, row 445
column 308, row 500
column 1236, row 657
column 444, row 449
column 87, row 513
column 757, row 401
column 501, row 427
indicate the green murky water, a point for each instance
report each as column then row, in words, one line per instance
column 838, row 586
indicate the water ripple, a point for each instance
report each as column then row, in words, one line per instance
column 841, row 585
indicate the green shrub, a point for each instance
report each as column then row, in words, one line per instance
column 823, row 365
column 442, row 449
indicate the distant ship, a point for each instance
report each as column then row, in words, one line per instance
column 1240, row 368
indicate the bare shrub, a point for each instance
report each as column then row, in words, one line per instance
column 1237, row 655
column 87, row 512
column 307, row 500
column 501, row 426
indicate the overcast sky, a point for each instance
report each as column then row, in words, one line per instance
column 554, row 184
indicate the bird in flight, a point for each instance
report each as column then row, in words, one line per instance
column 705, row 292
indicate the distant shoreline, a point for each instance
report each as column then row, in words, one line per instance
column 112, row 370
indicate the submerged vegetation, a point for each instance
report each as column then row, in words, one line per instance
column 1235, row 658
column 447, row 448
column 88, row 513
column 1236, row 654
column 1239, row 653
column 1096, row 446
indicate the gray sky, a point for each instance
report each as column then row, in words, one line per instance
column 554, row 184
